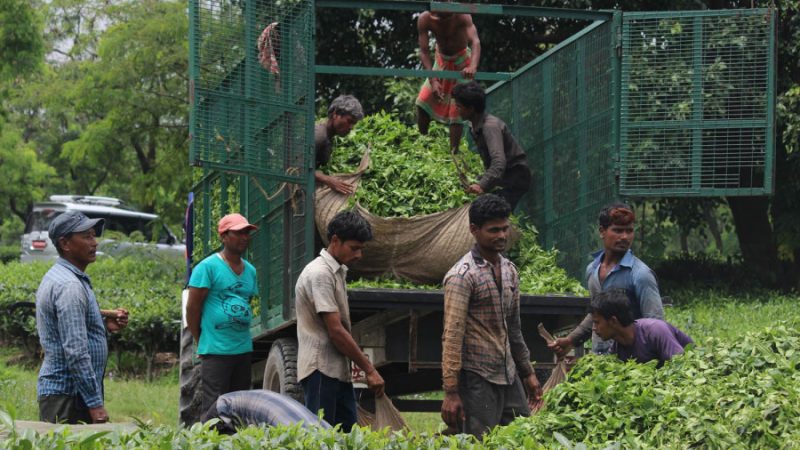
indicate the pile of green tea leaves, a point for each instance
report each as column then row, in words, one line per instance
column 743, row 393
column 539, row 272
column 410, row 174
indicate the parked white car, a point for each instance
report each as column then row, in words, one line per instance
column 36, row 245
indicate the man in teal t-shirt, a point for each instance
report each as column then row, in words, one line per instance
column 218, row 312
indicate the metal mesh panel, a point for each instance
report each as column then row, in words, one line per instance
column 561, row 109
column 252, row 133
column 251, row 107
column 696, row 104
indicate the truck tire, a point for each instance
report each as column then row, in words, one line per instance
column 280, row 373
column 190, row 403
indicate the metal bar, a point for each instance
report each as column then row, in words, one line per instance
column 469, row 8
column 769, row 157
column 581, row 103
column 269, row 173
column 620, row 41
column 206, row 217
column 193, row 77
column 413, row 333
column 698, row 123
column 210, row 94
column 705, row 13
column 549, row 169
column 520, row 11
column 418, row 73
column 697, row 100
column 413, row 6
column 704, row 192
column 310, row 155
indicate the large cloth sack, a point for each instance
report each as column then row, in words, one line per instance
column 386, row 415
column 420, row 249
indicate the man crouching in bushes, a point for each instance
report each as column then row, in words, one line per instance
column 642, row 340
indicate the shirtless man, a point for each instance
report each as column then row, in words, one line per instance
column 458, row 48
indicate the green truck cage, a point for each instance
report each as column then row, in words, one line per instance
column 667, row 104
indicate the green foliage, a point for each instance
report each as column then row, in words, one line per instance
column 539, row 272
column 21, row 44
column 149, row 289
column 107, row 114
column 736, row 394
column 389, row 283
column 410, row 174
column 739, row 393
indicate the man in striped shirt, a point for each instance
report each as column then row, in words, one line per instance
column 72, row 327
column 259, row 407
column 485, row 361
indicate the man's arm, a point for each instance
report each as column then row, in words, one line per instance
column 334, row 183
column 494, row 143
column 194, row 310
column 115, row 319
column 646, row 288
column 457, row 291
column 520, row 352
column 578, row 336
column 71, row 306
column 344, row 342
column 423, row 27
column 474, row 43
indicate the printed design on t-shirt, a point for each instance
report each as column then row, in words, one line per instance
column 235, row 308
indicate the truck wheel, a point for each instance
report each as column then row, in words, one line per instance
column 190, row 403
column 280, row 373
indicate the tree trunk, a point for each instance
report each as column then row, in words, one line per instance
column 756, row 238
column 684, row 238
column 713, row 227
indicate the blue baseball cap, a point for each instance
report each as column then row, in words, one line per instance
column 73, row 222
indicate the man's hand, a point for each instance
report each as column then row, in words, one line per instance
column 99, row 414
column 116, row 319
column 474, row 189
column 561, row 346
column 453, row 410
column 469, row 72
column 375, row 383
column 436, row 87
column 339, row 186
column 534, row 392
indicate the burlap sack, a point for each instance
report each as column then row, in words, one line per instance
column 420, row 249
column 386, row 415
column 559, row 372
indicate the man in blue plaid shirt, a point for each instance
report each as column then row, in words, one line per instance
column 72, row 327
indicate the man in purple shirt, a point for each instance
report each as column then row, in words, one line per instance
column 642, row 340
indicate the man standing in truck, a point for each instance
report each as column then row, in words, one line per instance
column 343, row 114
column 458, row 48
column 507, row 172
column 218, row 311
column 325, row 345
column 615, row 267
column 486, row 367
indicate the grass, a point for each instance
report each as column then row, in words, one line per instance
column 126, row 400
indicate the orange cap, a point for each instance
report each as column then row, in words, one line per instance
column 234, row 222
